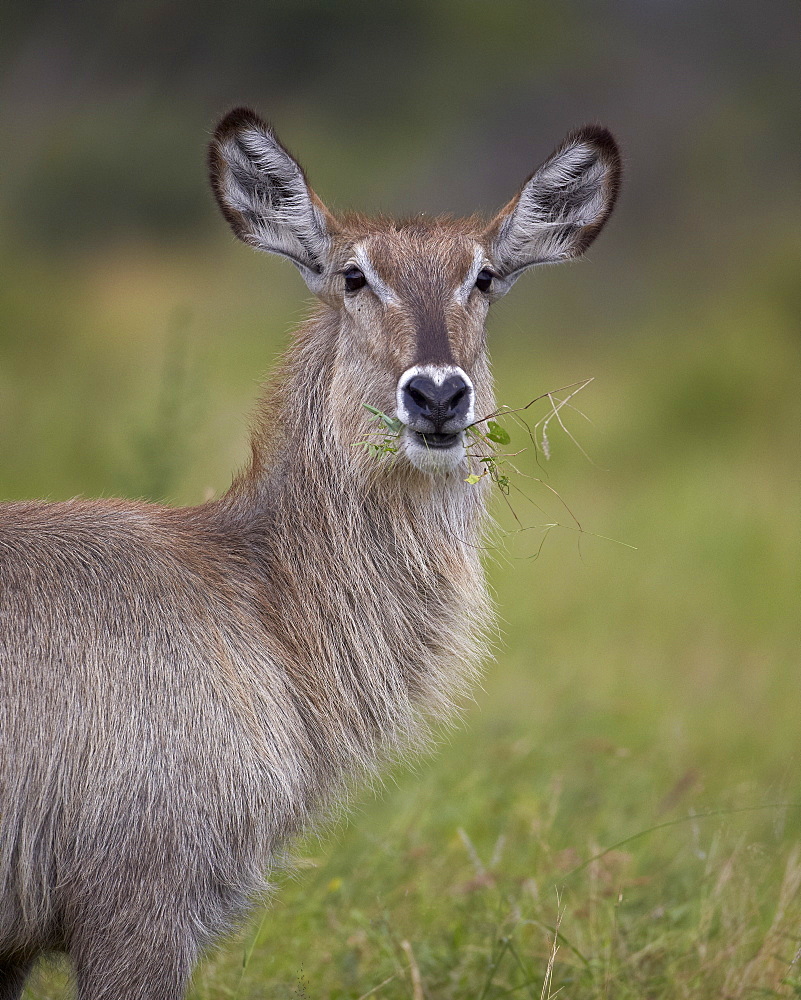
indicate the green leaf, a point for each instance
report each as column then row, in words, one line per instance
column 391, row 423
column 497, row 433
column 472, row 479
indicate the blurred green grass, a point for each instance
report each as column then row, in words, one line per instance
column 632, row 687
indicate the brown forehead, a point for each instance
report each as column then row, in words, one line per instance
column 423, row 262
column 422, row 251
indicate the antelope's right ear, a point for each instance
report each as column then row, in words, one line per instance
column 263, row 193
column 561, row 208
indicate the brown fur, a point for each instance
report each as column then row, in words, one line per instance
column 181, row 690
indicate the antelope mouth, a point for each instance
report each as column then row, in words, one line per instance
column 437, row 441
column 434, row 452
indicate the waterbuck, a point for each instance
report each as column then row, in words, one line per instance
column 181, row 690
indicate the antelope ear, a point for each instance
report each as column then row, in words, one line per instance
column 561, row 208
column 263, row 193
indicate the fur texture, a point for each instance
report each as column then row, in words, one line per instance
column 182, row 690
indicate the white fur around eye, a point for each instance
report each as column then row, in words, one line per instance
column 462, row 293
column 380, row 288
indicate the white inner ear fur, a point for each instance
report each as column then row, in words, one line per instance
column 564, row 196
column 561, row 173
column 272, row 197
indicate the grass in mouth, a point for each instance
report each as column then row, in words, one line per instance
column 489, row 454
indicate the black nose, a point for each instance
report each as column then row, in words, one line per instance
column 425, row 400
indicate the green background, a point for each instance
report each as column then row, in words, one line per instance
column 634, row 690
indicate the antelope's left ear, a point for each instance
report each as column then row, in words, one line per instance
column 561, row 208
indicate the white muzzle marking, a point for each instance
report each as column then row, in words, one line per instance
column 435, row 460
column 438, row 374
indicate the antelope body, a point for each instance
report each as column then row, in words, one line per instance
column 181, row 690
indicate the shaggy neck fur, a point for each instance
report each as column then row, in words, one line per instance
column 366, row 571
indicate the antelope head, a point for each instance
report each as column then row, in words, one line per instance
column 411, row 298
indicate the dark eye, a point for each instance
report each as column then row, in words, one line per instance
column 484, row 280
column 354, row 279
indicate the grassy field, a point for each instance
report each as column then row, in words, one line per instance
column 629, row 772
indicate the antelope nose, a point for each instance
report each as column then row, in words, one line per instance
column 438, row 403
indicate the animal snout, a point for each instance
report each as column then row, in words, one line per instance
column 431, row 403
